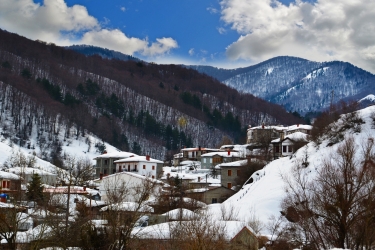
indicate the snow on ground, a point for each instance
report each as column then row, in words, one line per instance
column 370, row 98
column 262, row 198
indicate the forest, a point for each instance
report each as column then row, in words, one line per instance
column 129, row 104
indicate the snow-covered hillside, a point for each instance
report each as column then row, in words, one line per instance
column 263, row 195
column 79, row 148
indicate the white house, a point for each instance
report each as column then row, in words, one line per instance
column 288, row 145
column 126, row 186
column 142, row 165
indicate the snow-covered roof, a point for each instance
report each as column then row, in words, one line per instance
column 138, row 159
column 299, row 126
column 128, row 206
column 163, row 230
column 175, row 214
column 28, row 171
column 197, row 149
column 9, row 176
column 370, row 98
column 116, row 155
column 232, row 164
column 282, row 128
column 294, row 136
column 223, row 154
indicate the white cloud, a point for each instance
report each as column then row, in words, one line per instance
column 221, row 30
column 161, row 46
column 54, row 21
column 191, row 52
column 212, row 10
column 326, row 30
column 123, row 9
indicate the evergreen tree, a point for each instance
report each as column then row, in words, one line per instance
column 35, row 189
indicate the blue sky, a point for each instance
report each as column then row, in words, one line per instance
column 223, row 33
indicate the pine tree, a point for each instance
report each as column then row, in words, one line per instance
column 35, row 189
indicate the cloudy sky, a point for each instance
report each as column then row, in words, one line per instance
column 223, row 33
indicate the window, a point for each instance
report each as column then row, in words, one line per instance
column 214, row 200
column 105, row 162
column 153, row 167
column 290, row 149
column 284, row 149
column 217, row 160
column 204, row 160
column 229, row 185
column 229, row 172
column 238, row 172
column 144, row 166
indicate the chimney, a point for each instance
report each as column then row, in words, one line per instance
column 101, row 176
column 147, row 157
column 297, row 125
column 263, row 125
column 104, row 152
column 228, row 151
column 199, row 148
column 84, row 188
column 199, row 179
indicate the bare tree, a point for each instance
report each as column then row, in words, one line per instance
column 335, row 208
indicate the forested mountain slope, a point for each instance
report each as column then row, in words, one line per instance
column 135, row 106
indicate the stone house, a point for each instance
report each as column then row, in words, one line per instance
column 190, row 154
column 105, row 162
column 230, row 172
column 210, row 194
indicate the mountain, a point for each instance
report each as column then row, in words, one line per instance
column 133, row 105
column 298, row 84
column 90, row 50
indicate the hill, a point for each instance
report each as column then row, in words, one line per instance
column 298, row 84
column 134, row 106
column 262, row 195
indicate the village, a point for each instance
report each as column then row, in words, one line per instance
column 146, row 193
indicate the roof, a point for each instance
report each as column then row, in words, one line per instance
column 175, row 214
column 116, row 155
column 282, row 128
column 294, row 137
column 138, row 159
column 9, row 176
column 232, row 164
column 19, row 170
column 197, row 149
column 222, row 153
column 128, row 206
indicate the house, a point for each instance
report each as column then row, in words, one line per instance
column 244, row 239
column 230, row 172
column 210, row 160
column 10, row 185
column 287, row 146
column 27, row 173
column 190, row 154
column 142, row 165
column 210, row 194
column 262, row 134
column 228, row 234
column 105, row 162
column 126, row 186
